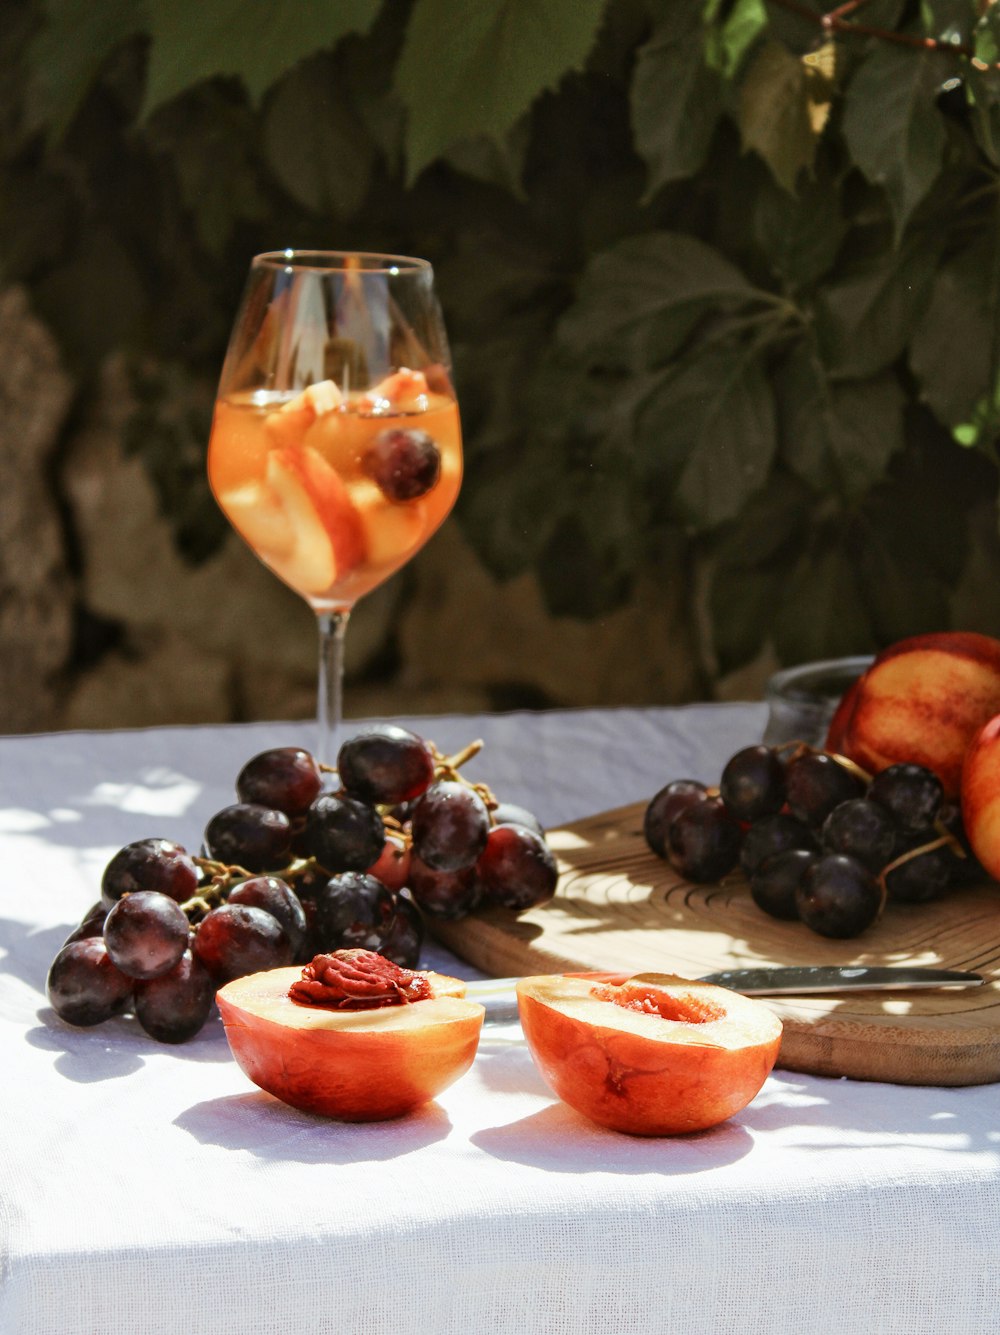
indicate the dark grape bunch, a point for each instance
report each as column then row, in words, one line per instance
column 818, row 840
column 302, row 863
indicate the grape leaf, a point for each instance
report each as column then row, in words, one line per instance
column 676, row 100
column 952, row 371
column 710, row 423
column 750, row 566
column 639, row 299
column 839, row 434
column 69, row 51
column 211, row 142
column 822, row 611
column 800, row 236
column 865, row 318
column 893, row 127
column 193, row 42
column 477, row 76
column 727, row 43
column 315, row 144
column 776, row 112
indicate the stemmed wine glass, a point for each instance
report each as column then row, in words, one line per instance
column 336, row 449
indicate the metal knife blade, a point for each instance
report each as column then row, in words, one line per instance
column 801, row 981
column 498, row 994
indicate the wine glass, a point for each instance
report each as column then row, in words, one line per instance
column 336, row 449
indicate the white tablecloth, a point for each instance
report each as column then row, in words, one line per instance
column 152, row 1190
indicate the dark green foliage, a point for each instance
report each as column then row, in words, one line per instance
column 721, row 281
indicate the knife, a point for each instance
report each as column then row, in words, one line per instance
column 498, row 994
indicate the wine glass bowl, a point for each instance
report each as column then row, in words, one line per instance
column 335, row 449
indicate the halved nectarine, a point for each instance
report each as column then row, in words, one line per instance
column 655, row 1055
column 355, row 1065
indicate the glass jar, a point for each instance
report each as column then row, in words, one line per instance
column 802, row 700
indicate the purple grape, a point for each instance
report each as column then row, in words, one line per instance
column 91, row 924
column 236, row 939
column 703, row 842
column 385, row 764
column 146, row 933
column 286, row 778
column 445, row 894
column 353, row 912
column 404, row 463
column 150, row 864
column 816, row 783
column 838, row 896
column 753, row 783
column 507, row 813
column 923, row 877
column 84, row 986
column 664, row 808
column 173, row 1007
column 913, row 794
column 775, row 881
column 278, row 898
column 450, row 825
column 771, row 835
column 343, row 834
column 863, row 830
column 250, row 836
column 517, row 868
column 405, row 935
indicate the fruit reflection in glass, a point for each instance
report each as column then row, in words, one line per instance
column 336, row 450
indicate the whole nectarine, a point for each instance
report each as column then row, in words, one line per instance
column 981, row 796
column 922, row 700
column 654, row 1055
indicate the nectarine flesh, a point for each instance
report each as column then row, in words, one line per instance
column 655, row 1055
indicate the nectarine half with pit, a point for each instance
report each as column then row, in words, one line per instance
column 655, row 1055
column 357, row 1065
column 922, row 701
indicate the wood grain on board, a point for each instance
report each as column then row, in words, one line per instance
column 620, row 907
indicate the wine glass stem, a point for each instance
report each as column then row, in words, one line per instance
column 330, row 704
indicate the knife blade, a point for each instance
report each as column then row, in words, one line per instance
column 498, row 994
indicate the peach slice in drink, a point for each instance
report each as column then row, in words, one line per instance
column 288, row 425
column 404, row 391
column 391, row 531
column 329, row 540
column 259, row 516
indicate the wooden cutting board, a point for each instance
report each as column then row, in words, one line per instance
column 618, row 906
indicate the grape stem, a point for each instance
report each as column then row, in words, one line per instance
column 944, row 840
column 223, row 874
column 797, row 749
column 447, row 767
column 455, row 762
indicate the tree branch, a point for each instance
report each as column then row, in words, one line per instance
column 835, row 22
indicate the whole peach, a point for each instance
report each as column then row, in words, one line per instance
column 922, row 700
column 981, row 796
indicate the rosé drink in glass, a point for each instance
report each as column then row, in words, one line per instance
column 336, row 449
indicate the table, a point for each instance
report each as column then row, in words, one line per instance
column 152, row 1190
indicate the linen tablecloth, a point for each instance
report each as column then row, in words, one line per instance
column 152, row 1190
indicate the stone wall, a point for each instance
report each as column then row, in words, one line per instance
column 83, row 543
column 36, row 590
